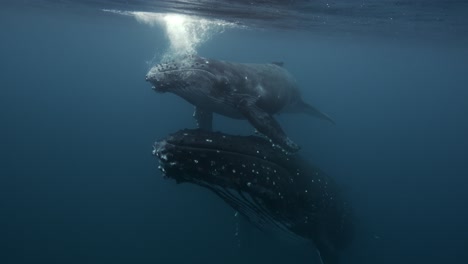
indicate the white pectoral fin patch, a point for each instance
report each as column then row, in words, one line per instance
column 260, row 90
column 204, row 118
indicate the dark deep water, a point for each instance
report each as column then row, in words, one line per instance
column 78, row 183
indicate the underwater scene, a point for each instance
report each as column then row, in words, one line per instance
column 234, row 131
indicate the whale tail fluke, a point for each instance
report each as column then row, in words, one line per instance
column 310, row 110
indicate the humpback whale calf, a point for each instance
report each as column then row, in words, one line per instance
column 269, row 187
column 238, row 90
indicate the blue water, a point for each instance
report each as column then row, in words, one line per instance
column 78, row 183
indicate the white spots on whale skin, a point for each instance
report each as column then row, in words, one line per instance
column 258, row 152
column 306, row 191
column 233, row 171
column 213, row 163
column 196, row 161
column 155, row 153
column 313, row 181
column 249, row 184
column 161, row 169
column 245, row 77
column 243, row 165
column 163, row 157
column 274, row 183
column 217, row 151
column 172, row 164
column 208, row 140
column 207, row 62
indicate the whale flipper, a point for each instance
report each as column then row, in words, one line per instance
column 265, row 123
column 204, row 118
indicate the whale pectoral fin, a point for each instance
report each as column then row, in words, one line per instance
column 266, row 124
column 310, row 110
column 204, row 118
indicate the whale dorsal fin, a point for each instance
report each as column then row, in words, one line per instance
column 278, row 63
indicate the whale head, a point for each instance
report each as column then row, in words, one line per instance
column 179, row 76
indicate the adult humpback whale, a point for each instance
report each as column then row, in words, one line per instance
column 269, row 187
column 237, row 90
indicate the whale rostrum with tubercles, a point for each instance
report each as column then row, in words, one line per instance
column 237, row 90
